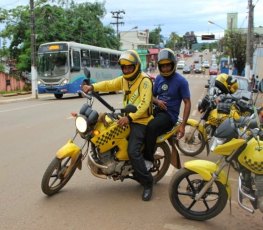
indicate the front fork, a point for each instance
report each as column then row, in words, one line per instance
column 202, row 130
column 210, row 172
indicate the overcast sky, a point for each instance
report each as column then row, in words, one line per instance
column 178, row 16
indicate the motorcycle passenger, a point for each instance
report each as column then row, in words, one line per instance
column 169, row 90
column 137, row 88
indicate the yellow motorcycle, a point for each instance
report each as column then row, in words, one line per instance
column 105, row 146
column 200, row 190
column 198, row 133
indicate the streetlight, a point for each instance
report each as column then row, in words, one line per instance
column 216, row 25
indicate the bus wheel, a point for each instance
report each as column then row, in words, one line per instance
column 58, row 95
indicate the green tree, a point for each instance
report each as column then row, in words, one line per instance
column 155, row 36
column 235, row 46
column 175, row 42
column 56, row 22
column 190, row 39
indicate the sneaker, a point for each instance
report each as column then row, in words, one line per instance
column 148, row 164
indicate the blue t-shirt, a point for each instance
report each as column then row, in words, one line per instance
column 172, row 90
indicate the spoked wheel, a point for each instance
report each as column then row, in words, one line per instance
column 183, row 188
column 162, row 159
column 192, row 143
column 58, row 174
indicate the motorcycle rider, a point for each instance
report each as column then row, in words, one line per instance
column 137, row 88
column 170, row 89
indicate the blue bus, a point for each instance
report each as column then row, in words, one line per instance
column 60, row 66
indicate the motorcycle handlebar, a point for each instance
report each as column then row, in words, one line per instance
column 105, row 103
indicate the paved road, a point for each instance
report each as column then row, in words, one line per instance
column 31, row 132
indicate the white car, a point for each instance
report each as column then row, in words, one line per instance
column 180, row 64
column 205, row 64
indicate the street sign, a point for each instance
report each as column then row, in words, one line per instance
column 208, row 37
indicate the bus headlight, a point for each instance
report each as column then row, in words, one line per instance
column 81, row 123
column 64, row 82
column 40, row 83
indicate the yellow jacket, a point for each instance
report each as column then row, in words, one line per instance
column 137, row 92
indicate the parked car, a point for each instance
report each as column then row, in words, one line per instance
column 213, row 70
column 180, row 64
column 198, row 68
column 187, row 69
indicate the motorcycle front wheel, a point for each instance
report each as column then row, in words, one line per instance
column 183, row 188
column 162, row 160
column 58, row 174
column 192, row 143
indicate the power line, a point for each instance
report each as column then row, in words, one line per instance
column 116, row 14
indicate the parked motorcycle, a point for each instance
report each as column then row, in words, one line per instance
column 200, row 190
column 105, row 146
column 198, row 135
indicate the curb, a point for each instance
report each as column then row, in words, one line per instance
column 15, row 94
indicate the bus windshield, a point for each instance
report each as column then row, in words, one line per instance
column 53, row 64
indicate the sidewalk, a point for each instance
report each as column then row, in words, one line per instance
column 14, row 97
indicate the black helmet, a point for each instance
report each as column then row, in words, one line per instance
column 166, row 56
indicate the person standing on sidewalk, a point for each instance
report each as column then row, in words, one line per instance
column 137, row 88
column 170, row 89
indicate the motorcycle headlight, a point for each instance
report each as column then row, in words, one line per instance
column 81, row 124
column 216, row 141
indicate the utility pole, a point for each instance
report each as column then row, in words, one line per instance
column 159, row 33
column 33, row 52
column 116, row 14
column 250, row 40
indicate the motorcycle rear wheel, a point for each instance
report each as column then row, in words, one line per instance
column 162, row 160
column 183, row 187
column 57, row 175
column 192, row 143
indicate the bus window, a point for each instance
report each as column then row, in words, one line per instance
column 114, row 60
column 104, row 60
column 75, row 60
column 95, row 58
column 85, row 58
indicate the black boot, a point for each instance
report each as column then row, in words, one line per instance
column 147, row 193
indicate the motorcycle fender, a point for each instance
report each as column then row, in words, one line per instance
column 205, row 169
column 70, row 149
column 201, row 128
